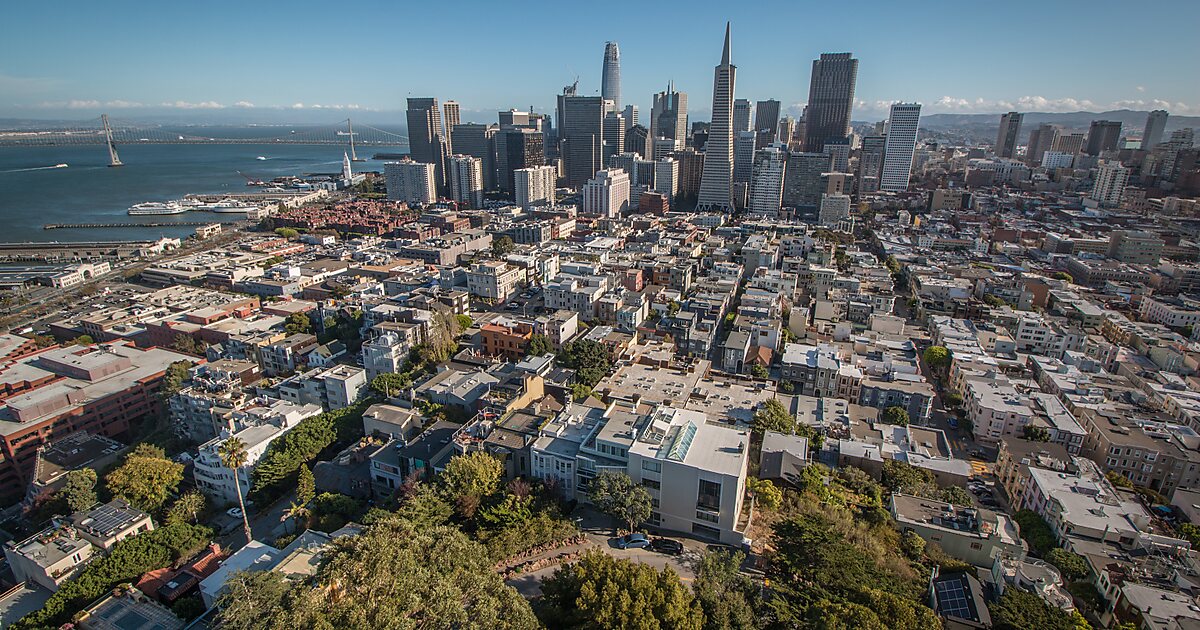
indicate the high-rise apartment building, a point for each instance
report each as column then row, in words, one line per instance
column 834, row 208
column 631, row 115
column 741, row 115
column 610, row 81
column 449, row 120
column 666, row 177
column 691, row 170
column 1068, row 143
column 802, row 180
column 517, row 147
column 766, row 184
column 466, row 180
column 716, row 185
column 743, row 156
column 668, row 116
column 580, row 135
column 766, row 118
column 614, row 135
column 426, row 139
column 606, row 194
column 1007, row 138
column 899, row 147
column 1110, row 183
column 787, row 129
column 839, row 154
column 1041, row 140
column 830, row 99
column 1103, row 135
column 411, row 182
column 1156, row 124
column 870, row 163
column 479, row 141
column 534, row 186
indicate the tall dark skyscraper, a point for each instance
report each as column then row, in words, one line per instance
column 426, row 138
column 1103, row 135
column 741, row 115
column 830, row 99
column 580, row 135
column 668, row 115
column 1041, row 140
column 716, row 185
column 478, row 141
column 517, row 148
column 1007, row 138
column 766, row 117
column 610, row 84
column 1156, row 123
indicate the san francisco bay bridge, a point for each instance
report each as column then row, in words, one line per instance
column 114, row 133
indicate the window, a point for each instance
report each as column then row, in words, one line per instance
column 706, row 531
column 707, row 516
column 976, row 546
column 709, row 495
column 651, row 483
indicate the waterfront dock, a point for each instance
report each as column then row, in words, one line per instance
column 140, row 224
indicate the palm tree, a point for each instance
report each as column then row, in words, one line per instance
column 233, row 457
column 295, row 513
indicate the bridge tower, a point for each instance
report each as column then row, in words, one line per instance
column 353, row 156
column 113, row 159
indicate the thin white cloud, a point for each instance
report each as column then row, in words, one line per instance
column 244, row 104
column 1141, row 88
column 200, row 105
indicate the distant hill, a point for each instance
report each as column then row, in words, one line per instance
column 1132, row 121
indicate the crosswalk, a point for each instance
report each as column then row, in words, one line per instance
column 978, row 467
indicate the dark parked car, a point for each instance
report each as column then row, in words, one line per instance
column 667, row 546
column 633, row 541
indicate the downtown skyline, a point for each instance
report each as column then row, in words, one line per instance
column 144, row 74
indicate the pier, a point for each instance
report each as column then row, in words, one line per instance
column 151, row 224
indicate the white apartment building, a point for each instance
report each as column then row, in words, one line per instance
column 493, row 280
column 1036, row 335
column 1052, row 160
column 766, row 180
column 576, row 294
column 606, row 194
column 1176, row 312
column 996, row 409
column 534, row 186
column 387, row 353
column 216, row 481
column 899, row 146
column 466, row 180
column 410, row 182
column 1110, row 183
column 337, row 387
column 1083, row 504
column 834, row 208
column 666, row 177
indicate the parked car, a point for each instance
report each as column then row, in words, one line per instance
column 667, row 546
column 234, row 512
column 633, row 541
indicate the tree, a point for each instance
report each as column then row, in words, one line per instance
column 146, row 478
column 306, row 485
column 900, row 476
column 476, row 475
column 233, row 456
column 298, row 323
column 539, row 345
column 405, row 576
column 1072, row 565
column 502, row 246
column 601, row 591
column 287, row 233
column 1190, row 533
column 79, row 489
column 1018, row 610
column 937, row 357
column 912, row 545
column 174, row 377
column 1035, row 434
column 1036, row 532
column 772, row 416
column 187, row 344
column 1062, row 275
column 84, row 340
column 390, row 384
column 278, row 468
column 1118, row 480
column 952, row 399
column 759, row 370
column 615, row 494
column 187, row 508
column 590, row 360
column 765, row 493
column 726, row 595
column 956, row 495
column 464, row 321
column 896, row 415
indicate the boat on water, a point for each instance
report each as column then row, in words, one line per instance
column 260, row 158
column 158, row 207
column 228, row 206
column 60, row 166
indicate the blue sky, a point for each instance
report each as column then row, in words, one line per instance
column 74, row 59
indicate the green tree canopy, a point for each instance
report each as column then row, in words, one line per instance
column 539, row 345
column 937, row 357
column 187, row 508
column 394, row 574
column 1018, row 610
column 615, row 494
column 601, row 591
column 1036, row 532
column 306, row 485
column 146, row 478
column 476, row 475
column 1072, row 565
column 589, row 359
column 502, row 246
column 298, row 323
column 896, row 415
column 727, row 596
column 287, row 232
column 758, row 370
column 1035, row 434
column 79, row 489
column 772, row 416
column 766, row 494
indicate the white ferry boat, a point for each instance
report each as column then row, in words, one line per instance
column 228, row 206
column 158, row 207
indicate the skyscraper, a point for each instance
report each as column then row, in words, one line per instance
column 766, row 118
column 580, row 135
column 1068, row 143
column 614, row 135
column 666, row 177
column 606, row 194
column 899, row 147
column 1010, row 131
column 426, row 142
column 743, row 156
column 410, row 182
column 802, row 180
column 610, row 85
column 870, row 163
column 637, row 140
column 631, row 115
column 766, row 184
column 516, row 148
column 741, row 115
column 478, row 141
column 466, row 180
column 1111, row 179
column 668, row 116
column 830, row 99
column 534, row 186
column 716, row 185
column 450, row 119
column 1041, row 140
column 1156, row 124
column 1103, row 135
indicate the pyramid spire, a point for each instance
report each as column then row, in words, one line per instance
column 725, row 52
